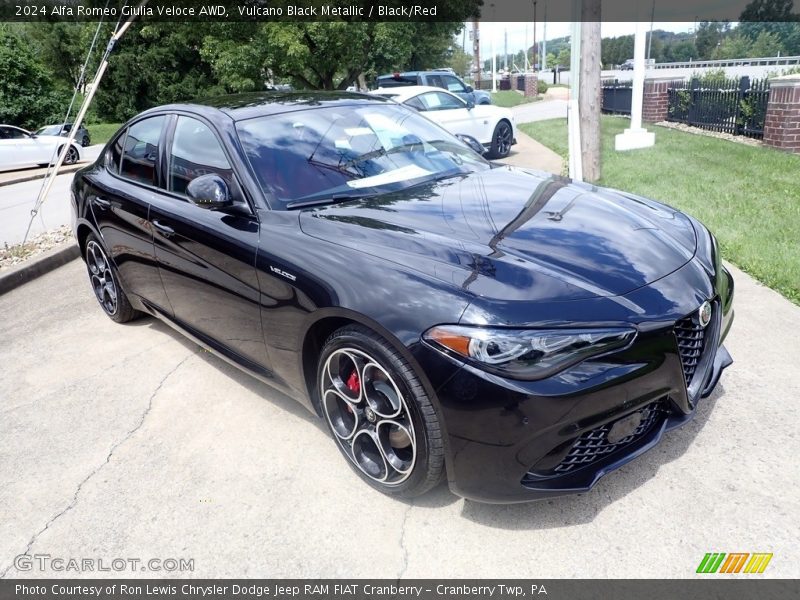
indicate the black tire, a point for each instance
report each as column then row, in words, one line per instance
column 104, row 280
column 501, row 140
column 72, row 155
column 381, row 442
column 85, row 141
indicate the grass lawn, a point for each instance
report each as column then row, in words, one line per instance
column 748, row 196
column 102, row 132
column 509, row 98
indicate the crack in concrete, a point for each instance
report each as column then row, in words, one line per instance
column 74, row 501
column 404, row 566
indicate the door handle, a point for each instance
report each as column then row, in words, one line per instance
column 102, row 202
column 166, row 230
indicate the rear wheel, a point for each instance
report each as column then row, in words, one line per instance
column 85, row 141
column 105, row 283
column 379, row 414
column 501, row 140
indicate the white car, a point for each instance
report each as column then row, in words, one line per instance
column 20, row 148
column 493, row 126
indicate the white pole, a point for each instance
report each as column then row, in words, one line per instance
column 494, row 60
column 573, row 113
column 636, row 136
column 79, row 119
column 638, row 77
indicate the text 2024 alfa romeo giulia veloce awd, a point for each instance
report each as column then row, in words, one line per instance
column 521, row 333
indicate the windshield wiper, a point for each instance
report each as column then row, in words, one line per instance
column 331, row 199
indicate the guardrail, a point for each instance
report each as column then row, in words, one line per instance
column 731, row 62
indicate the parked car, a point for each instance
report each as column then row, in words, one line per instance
column 627, row 65
column 82, row 136
column 21, row 148
column 440, row 79
column 492, row 126
column 522, row 333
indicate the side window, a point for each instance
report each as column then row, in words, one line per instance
column 415, row 102
column 114, row 153
column 140, row 155
column 435, row 81
column 15, row 134
column 452, row 84
column 439, row 101
column 5, row 133
column 196, row 151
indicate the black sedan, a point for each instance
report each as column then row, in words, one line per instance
column 515, row 332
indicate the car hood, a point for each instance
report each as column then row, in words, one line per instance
column 515, row 234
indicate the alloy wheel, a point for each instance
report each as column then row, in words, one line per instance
column 503, row 139
column 71, row 157
column 101, row 277
column 368, row 416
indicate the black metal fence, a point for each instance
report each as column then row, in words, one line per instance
column 617, row 97
column 735, row 106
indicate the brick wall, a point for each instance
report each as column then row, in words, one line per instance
column 654, row 101
column 782, row 122
column 531, row 85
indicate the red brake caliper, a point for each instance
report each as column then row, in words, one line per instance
column 353, row 382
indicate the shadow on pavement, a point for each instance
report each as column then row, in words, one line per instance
column 564, row 511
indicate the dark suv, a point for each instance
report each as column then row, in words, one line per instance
column 444, row 79
column 63, row 130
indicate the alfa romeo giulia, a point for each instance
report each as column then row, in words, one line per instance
column 514, row 332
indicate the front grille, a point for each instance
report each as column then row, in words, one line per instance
column 690, row 336
column 594, row 445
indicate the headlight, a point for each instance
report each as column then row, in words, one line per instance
column 527, row 354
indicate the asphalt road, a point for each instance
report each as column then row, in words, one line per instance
column 17, row 200
column 131, row 442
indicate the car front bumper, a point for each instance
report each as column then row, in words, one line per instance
column 516, row 441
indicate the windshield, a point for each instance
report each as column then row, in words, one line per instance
column 347, row 151
column 49, row 130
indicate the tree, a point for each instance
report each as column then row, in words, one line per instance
column 28, row 97
column 765, row 45
column 459, row 60
column 733, row 46
column 564, row 58
column 708, row 36
column 774, row 17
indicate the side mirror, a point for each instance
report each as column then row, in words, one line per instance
column 209, row 191
column 470, row 103
column 470, row 89
column 472, row 143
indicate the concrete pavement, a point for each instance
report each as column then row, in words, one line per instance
column 541, row 111
column 132, row 442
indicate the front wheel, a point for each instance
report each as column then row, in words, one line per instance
column 71, row 157
column 501, row 140
column 379, row 413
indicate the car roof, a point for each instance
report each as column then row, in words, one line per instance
column 257, row 104
column 401, row 94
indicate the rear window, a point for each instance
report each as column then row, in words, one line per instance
column 392, row 81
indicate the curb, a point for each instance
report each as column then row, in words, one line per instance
column 38, row 266
column 61, row 171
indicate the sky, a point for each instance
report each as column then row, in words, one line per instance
column 518, row 33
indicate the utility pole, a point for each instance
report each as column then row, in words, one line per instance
column 589, row 94
column 476, row 53
column 544, row 38
column 534, row 36
column 505, row 50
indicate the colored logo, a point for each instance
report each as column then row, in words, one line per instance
column 704, row 314
column 735, row 562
